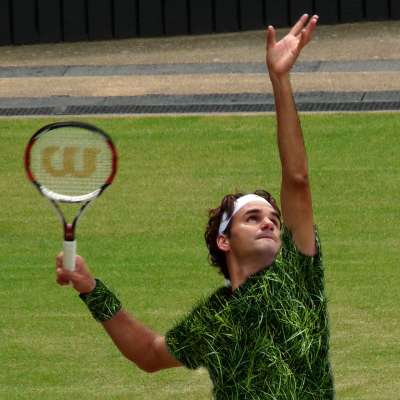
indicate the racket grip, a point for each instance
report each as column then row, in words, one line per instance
column 69, row 254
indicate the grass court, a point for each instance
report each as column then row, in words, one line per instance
column 144, row 238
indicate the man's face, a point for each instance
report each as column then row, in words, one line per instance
column 255, row 233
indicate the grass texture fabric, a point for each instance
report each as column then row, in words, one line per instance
column 269, row 339
column 101, row 302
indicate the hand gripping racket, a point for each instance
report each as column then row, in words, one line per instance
column 70, row 162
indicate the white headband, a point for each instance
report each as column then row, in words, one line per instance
column 239, row 203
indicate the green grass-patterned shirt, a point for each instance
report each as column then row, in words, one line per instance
column 269, row 339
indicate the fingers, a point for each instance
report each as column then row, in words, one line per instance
column 80, row 279
column 63, row 276
column 312, row 23
column 305, row 34
column 298, row 28
column 299, row 25
column 271, row 36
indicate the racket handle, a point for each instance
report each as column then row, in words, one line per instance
column 69, row 254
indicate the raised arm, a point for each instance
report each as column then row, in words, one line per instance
column 296, row 201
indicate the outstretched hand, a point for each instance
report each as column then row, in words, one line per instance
column 282, row 55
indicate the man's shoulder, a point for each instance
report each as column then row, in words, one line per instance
column 209, row 302
column 289, row 248
column 217, row 299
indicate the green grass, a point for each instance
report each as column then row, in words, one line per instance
column 144, row 238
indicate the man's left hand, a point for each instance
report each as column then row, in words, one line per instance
column 282, row 55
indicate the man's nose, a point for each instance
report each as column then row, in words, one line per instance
column 267, row 223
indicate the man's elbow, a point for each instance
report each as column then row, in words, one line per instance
column 144, row 365
column 158, row 357
column 298, row 179
column 145, row 368
column 148, row 370
column 151, row 370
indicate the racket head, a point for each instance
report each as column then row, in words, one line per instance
column 71, row 161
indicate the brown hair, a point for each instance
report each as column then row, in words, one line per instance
column 216, row 257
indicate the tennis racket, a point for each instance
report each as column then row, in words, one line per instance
column 70, row 162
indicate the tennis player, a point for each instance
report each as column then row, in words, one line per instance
column 265, row 333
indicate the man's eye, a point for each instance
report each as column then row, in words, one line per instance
column 254, row 218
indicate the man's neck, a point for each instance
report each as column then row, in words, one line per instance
column 239, row 273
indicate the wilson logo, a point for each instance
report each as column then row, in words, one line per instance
column 70, row 161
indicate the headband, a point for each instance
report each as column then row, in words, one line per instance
column 239, row 204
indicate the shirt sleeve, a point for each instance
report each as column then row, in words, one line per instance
column 310, row 268
column 185, row 340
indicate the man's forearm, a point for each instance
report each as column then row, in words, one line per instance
column 133, row 339
column 290, row 139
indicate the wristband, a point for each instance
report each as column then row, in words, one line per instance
column 101, row 302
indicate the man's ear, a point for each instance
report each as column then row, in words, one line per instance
column 223, row 243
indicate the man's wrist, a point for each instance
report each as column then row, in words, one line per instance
column 282, row 87
column 89, row 289
column 101, row 302
column 279, row 80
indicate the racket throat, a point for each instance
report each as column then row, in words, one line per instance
column 69, row 232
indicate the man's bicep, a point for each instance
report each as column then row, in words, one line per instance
column 162, row 357
column 297, row 215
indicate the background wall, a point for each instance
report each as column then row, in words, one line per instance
column 43, row 21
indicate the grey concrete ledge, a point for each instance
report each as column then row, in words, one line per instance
column 195, row 68
column 213, row 103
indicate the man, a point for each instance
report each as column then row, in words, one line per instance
column 265, row 335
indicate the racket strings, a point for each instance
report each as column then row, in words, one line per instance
column 71, row 161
